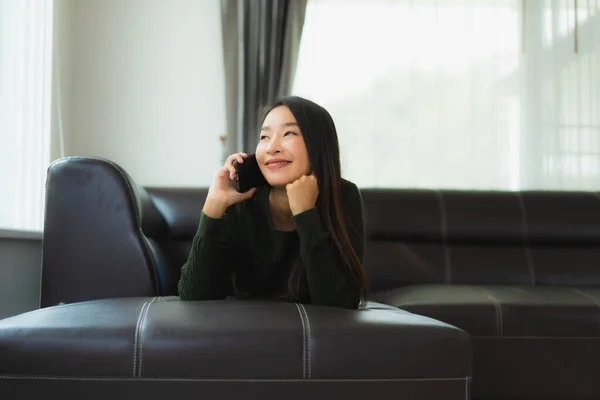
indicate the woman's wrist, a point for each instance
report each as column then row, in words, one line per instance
column 214, row 208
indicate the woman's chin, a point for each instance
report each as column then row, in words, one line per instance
column 279, row 182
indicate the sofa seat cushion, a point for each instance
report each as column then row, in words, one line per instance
column 180, row 343
column 528, row 342
column 504, row 311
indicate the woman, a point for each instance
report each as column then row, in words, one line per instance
column 300, row 238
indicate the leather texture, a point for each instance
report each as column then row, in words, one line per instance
column 27, row 388
column 517, row 270
column 528, row 341
column 505, row 311
column 413, row 236
column 93, row 246
column 164, row 342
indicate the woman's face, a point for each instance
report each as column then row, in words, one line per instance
column 281, row 152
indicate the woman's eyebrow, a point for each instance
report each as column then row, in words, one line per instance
column 268, row 128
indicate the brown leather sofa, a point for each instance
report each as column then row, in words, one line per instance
column 518, row 271
column 112, row 327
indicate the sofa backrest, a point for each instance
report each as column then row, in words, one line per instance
column 459, row 237
column 482, row 237
column 106, row 236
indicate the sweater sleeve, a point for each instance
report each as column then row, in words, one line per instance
column 207, row 273
column 331, row 283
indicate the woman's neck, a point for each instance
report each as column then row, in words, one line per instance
column 281, row 214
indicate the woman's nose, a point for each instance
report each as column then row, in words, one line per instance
column 274, row 146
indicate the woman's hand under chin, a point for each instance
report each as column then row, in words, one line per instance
column 302, row 194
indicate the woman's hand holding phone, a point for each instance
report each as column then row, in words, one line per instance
column 230, row 162
column 222, row 192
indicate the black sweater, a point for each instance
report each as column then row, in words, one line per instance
column 242, row 255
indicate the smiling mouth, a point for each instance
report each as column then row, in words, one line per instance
column 278, row 164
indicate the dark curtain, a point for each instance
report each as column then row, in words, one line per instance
column 261, row 39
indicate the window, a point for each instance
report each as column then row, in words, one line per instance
column 25, row 91
column 564, row 96
column 470, row 94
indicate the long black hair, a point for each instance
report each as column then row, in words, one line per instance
column 320, row 137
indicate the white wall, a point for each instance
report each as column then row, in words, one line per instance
column 62, row 62
column 142, row 84
column 20, row 267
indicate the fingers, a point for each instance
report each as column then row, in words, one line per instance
column 230, row 163
column 248, row 194
column 292, row 184
column 226, row 172
column 302, row 181
column 223, row 171
column 304, row 178
column 239, row 157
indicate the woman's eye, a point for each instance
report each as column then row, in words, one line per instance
column 290, row 133
column 263, row 137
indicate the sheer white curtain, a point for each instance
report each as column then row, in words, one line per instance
column 474, row 94
column 25, row 92
column 561, row 87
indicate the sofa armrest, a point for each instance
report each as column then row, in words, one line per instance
column 94, row 243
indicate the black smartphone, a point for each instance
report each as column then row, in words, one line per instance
column 248, row 174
